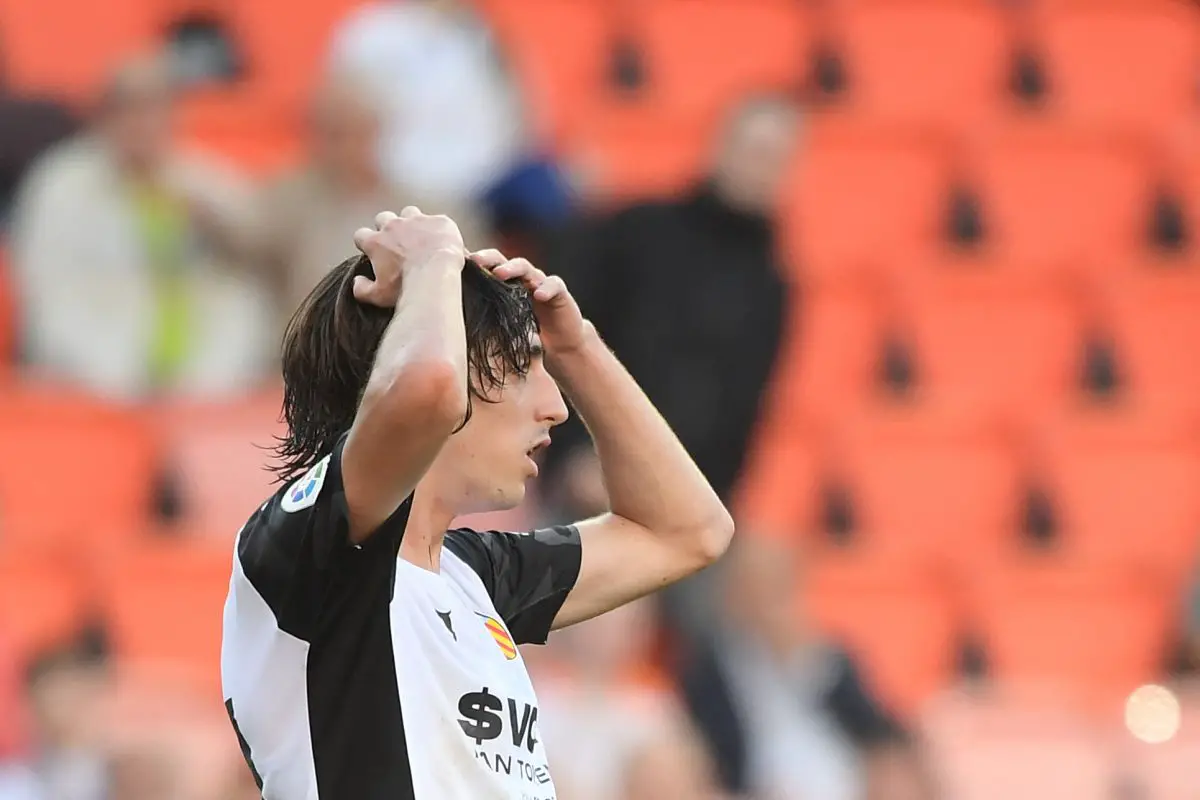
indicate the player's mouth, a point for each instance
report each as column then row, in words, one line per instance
column 532, row 453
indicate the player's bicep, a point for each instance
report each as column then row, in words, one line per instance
column 396, row 435
column 621, row 561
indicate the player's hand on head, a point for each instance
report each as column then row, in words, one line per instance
column 561, row 322
column 399, row 243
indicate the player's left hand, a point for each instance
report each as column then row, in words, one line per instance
column 562, row 325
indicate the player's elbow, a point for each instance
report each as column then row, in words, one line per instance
column 712, row 538
column 431, row 396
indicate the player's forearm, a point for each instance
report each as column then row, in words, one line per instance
column 422, row 357
column 650, row 477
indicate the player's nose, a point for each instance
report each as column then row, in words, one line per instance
column 554, row 407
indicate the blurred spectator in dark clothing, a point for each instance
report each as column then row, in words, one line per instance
column 785, row 712
column 307, row 219
column 64, row 763
column 123, row 255
column 690, row 295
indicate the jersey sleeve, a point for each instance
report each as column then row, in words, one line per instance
column 527, row 575
column 297, row 553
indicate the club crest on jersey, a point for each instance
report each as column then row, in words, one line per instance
column 500, row 635
column 303, row 493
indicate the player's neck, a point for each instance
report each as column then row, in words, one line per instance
column 428, row 521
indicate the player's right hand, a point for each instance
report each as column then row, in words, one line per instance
column 401, row 243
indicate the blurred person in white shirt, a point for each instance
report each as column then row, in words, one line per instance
column 123, row 255
column 455, row 125
column 602, row 700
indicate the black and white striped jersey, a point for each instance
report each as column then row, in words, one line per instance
column 351, row 673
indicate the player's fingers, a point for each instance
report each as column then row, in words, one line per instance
column 489, row 258
column 521, row 269
column 383, row 218
column 552, row 288
column 362, row 288
column 362, row 237
column 409, row 211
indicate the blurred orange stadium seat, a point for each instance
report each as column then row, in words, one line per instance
column 630, row 153
column 74, row 468
column 1012, row 340
column 1154, row 314
column 286, row 46
column 925, row 61
column 1128, row 65
column 238, row 127
column 1058, row 195
column 66, row 47
column 934, row 484
column 220, row 452
column 560, row 51
column 1123, row 481
column 163, row 603
column 830, row 361
column 860, row 191
column 1091, row 634
column 899, row 623
column 701, row 56
column 43, row 600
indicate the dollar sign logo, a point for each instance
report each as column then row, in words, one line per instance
column 480, row 718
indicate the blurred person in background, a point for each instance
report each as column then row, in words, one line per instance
column 454, row 122
column 784, row 711
column 144, row 772
column 674, row 765
column 64, row 760
column 306, row 218
column 601, row 693
column 690, row 295
column 121, row 254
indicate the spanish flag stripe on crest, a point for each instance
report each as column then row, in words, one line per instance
column 503, row 640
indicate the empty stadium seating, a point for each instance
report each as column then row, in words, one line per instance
column 861, row 192
column 1120, row 478
column 219, row 453
column 1089, row 634
column 702, row 55
column 163, row 603
column 1122, row 65
column 1053, row 194
column 74, row 468
column 559, row 51
column 900, row 624
column 65, row 48
column 1012, row 340
column 896, row 56
column 932, row 484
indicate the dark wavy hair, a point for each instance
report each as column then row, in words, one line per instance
column 329, row 350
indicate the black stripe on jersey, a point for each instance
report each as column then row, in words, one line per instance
column 528, row 575
column 336, row 596
column 244, row 745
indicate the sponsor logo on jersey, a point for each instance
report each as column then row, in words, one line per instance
column 483, row 717
column 507, row 646
column 303, row 493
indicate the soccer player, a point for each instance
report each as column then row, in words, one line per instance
column 371, row 654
